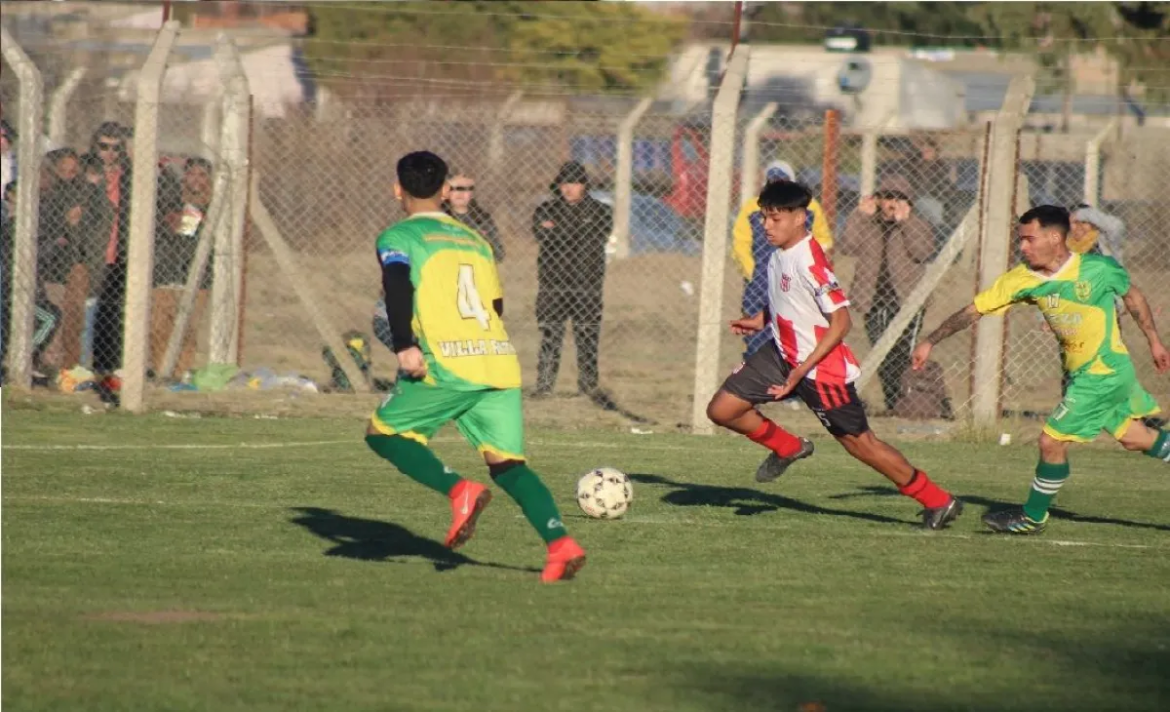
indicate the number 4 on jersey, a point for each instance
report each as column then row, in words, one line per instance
column 468, row 300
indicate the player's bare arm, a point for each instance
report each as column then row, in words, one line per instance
column 954, row 323
column 1139, row 309
column 840, row 322
column 748, row 324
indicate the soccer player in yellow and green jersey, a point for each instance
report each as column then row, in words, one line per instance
column 456, row 363
column 1076, row 293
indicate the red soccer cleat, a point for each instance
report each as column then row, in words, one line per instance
column 468, row 500
column 565, row 559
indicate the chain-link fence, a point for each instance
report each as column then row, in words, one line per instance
column 272, row 287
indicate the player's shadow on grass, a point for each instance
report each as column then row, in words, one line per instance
column 746, row 501
column 996, row 505
column 375, row 540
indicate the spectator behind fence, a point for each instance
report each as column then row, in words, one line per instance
column 1095, row 231
column 892, row 247
column 751, row 250
column 937, row 198
column 105, row 250
column 462, row 205
column 7, row 161
column 62, row 223
column 183, row 208
column 46, row 315
column 572, row 230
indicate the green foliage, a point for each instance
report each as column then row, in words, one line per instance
column 613, row 46
column 589, row 46
column 1052, row 32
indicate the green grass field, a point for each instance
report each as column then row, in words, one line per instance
column 243, row 564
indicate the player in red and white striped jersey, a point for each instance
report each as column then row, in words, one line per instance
column 808, row 359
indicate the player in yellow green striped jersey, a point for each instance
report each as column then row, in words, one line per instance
column 456, row 364
column 1077, row 294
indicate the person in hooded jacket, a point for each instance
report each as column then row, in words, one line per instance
column 571, row 230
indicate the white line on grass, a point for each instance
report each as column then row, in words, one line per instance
column 648, row 521
column 181, row 446
column 314, row 443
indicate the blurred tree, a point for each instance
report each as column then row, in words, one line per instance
column 463, row 47
column 1053, row 32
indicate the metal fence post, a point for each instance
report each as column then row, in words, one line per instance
column 496, row 139
column 227, row 264
column 710, row 328
column 140, row 246
column 58, row 106
column 749, row 176
column 869, row 144
column 1093, row 162
column 623, row 189
column 995, row 243
column 24, row 257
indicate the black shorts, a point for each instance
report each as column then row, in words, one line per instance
column 836, row 406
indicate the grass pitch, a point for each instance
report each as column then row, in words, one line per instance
column 222, row 564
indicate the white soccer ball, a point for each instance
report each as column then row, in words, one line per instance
column 604, row 493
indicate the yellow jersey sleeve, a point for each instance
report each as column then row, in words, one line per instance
column 1003, row 294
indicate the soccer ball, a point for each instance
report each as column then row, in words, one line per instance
column 604, row 493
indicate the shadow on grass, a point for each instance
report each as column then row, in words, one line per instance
column 996, row 505
column 375, row 540
column 746, row 501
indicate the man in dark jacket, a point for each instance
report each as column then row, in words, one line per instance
column 572, row 230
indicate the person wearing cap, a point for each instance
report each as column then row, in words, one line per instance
column 1095, row 231
column 892, row 246
column 571, row 230
column 751, row 249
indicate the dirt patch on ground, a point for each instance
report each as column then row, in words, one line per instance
column 155, row 617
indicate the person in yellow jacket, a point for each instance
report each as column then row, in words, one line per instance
column 751, row 250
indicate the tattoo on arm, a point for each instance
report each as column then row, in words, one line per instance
column 1139, row 309
column 955, row 323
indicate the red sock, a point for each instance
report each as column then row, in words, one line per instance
column 928, row 494
column 776, row 439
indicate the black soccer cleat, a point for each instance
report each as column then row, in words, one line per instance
column 1014, row 521
column 935, row 518
column 773, row 466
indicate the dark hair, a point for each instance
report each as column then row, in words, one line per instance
column 110, row 129
column 54, row 157
column 784, row 195
column 422, row 174
column 197, row 162
column 1048, row 216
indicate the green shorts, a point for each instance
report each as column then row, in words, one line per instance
column 492, row 420
column 1095, row 403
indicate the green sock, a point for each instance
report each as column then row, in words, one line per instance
column 524, row 486
column 414, row 460
column 1049, row 478
column 1161, row 449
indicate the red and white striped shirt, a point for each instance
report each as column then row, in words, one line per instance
column 802, row 292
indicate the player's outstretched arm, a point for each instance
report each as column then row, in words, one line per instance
column 954, row 323
column 1139, row 309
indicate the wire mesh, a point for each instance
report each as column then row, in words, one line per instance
column 326, row 172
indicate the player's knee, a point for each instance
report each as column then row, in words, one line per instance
column 495, row 469
column 372, row 429
column 865, row 440
column 1051, row 449
column 1137, row 438
column 722, row 410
